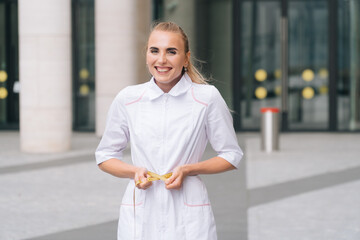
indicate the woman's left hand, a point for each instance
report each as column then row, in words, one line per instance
column 176, row 179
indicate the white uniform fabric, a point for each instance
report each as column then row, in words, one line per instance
column 166, row 130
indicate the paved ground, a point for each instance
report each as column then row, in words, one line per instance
column 308, row 190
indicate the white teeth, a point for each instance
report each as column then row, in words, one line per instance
column 162, row 70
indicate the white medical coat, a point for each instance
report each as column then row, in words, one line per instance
column 166, row 130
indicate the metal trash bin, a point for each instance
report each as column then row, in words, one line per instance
column 269, row 129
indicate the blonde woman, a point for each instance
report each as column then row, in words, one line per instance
column 169, row 121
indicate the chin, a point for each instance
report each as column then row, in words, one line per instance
column 163, row 79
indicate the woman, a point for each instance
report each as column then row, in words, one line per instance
column 169, row 121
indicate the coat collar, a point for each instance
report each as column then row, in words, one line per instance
column 181, row 87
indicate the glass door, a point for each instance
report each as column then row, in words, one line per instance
column 9, row 72
column 260, row 60
column 307, row 74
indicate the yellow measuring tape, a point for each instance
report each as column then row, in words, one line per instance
column 152, row 177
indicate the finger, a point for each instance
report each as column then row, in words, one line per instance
column 137, row 180
column 140, row 186
column 145, row 184
column 174, row 185
column 137, row 183
column 170, row 179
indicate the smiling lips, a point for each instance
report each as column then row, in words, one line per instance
column 163, row 69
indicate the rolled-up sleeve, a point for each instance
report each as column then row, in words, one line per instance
column 220, row 130
column 116, row 134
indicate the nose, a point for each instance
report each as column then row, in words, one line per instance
column 162, row 58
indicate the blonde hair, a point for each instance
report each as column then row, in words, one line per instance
column 192, row 71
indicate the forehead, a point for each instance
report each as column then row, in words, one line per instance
column 164, row 39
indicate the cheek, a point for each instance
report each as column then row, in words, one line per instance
column 150, row 69
column 180, row 63
column 149, row 61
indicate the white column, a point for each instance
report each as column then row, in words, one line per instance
column 45, row 75
column 121, row 30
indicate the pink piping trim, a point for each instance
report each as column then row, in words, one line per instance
column 127, row 204
column 137, row 100
column 193, row 95
column 200, row 205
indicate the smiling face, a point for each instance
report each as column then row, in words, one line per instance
column 166, row 58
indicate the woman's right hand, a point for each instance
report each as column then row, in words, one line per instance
column 141, row 179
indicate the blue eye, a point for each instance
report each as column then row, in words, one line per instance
column 154, row 51
column 172, row 52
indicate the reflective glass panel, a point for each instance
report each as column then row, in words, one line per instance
column 9, row 72
column 219, row 53
column 3, row 66
column 308, row 65
column 260, row 60
column 348, row 94
column 83, row 65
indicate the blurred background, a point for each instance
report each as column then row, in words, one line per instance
column 62, row 62
column 76, row 56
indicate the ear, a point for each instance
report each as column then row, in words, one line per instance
column 187, row 59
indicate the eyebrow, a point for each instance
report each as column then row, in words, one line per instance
column 168, row 49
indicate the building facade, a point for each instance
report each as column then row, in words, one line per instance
column 298, row 55
column 62, row 61
column 49, row 51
